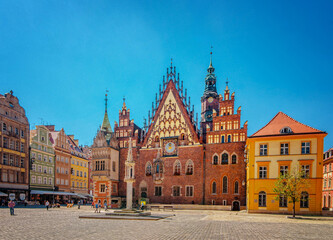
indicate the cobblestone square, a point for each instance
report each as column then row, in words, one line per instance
column 65, row 224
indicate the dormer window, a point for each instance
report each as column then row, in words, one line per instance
column 286, row 130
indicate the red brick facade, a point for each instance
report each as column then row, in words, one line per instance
column 174, row 163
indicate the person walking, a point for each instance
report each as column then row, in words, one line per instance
column 96, row 207
column 47, row 204
column 79, row 204
column 11, row 206
column 99, row 207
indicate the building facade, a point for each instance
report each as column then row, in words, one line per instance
column 105, row 165
column 79, row 167
column 62, row 160
column 42, row 160
column 169, row 161
column 327, row 180
column 281, row 146
column 14, row 148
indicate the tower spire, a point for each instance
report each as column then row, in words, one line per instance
column 210, row 80
column 211, row 54
column 106, row 100
column 106, row 126
column 124, row 104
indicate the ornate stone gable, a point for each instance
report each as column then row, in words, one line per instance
column 100, row 140
column 171, row 121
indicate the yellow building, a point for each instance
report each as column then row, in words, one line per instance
column 79, row 168
column 282, row 145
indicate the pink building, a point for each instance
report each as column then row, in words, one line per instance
column 327, row 180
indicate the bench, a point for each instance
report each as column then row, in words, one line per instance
column 156, row 207
column 168, row 207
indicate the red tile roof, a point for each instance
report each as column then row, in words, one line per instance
column 282, row 120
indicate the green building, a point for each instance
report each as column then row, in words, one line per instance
column 42, row 164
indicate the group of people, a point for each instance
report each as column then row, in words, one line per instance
column 97, row 205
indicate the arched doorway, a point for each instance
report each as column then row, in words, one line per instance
column 235, row 206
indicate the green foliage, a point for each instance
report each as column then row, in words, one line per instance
column 291, row 185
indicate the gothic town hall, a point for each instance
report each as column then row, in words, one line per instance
column 173, row 159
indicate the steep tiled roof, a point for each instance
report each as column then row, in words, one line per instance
column 282, row 120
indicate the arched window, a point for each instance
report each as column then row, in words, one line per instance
column 329, row 201
column 214, row 188
column 177, row 168
column 286, row 130
column 225, row 185
column 262, row 199
column 304, row 203
column 148, row 169
column 324, row 204
column 189, row 168
column 234, row 159
column 215, row 160
column 182, row 136
column 157, row 168
column 157, row 139
column 236, row 188
column 229, row 138
column 225, row 158
column 222, row 139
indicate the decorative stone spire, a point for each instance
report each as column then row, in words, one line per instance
column 124, row 104
column 129, row 153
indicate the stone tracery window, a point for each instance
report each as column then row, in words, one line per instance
column 189, row 168
column 177, row 168
column 214, row 187
column 148, row 169
column 234, row 159
column 225, row 185
column 215, row 160
column 225, row 158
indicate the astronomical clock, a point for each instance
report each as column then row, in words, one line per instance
column 170, row 147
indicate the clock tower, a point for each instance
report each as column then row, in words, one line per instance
column 209, row 100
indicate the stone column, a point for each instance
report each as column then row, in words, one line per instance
column 129, row 195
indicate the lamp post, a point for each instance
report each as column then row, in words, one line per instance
column 106, row 198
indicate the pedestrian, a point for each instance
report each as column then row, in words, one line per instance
column 47, row 204
column 78, row 204
column 96, row 207
column 92, row 204
column 142, row 205
column 99, row 207
column 11, row 206
column 105, row 206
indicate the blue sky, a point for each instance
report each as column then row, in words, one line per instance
column 59, row 57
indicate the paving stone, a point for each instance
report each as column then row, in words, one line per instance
column 65, row 223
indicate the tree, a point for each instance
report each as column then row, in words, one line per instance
column 291, row 185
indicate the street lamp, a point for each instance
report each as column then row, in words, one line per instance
column 106, row 198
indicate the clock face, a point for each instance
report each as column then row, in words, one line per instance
column 209, row 116
column 210, row 99
column 170, row 147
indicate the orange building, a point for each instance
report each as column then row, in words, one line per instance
column 283, row 145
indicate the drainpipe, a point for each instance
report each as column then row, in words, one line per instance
column 204, row 176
